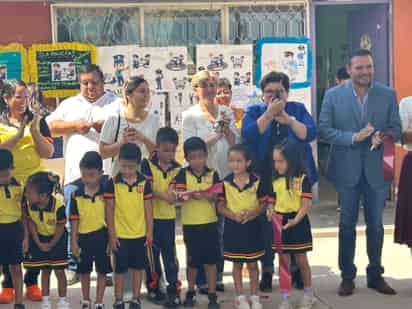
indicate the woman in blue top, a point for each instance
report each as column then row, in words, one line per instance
column 267, row 124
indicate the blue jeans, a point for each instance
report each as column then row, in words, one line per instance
column 201, row 275
column 373, row 205
column 68, row 190
column 164, row 244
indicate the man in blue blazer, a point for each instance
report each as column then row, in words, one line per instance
column 355, row 118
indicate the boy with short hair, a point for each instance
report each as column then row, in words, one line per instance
column 13, row 235
column 89, row 235
column 160, row 170
column 199, row 218
column 128, row 198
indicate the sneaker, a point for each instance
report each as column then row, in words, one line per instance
column 285, row 305
column 265, row 284
column 119, row 305
column 158, row 297
column 255, row 302
column 85, row 304
column 33, row 293
column 220, row 287
column 241, row 303
column 6, row 295
column 173, row 299
column 63, row 304
column 190, row 299
column 46, row 305
column 98, row 306
column 19, row 306
column 203, row 290
column 307, row 302
column 135, row 304
column 213, row 304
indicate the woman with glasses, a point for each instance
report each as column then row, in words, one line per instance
column 28, row 137
column 267, row 124
column 135, row 124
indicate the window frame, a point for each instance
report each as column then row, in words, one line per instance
column 224, row 8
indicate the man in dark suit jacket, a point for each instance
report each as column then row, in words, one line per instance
column 354, row 119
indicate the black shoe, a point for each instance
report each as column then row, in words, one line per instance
column 213, row 304
column 203, row 290
column 158, row 297
column 135, row 304
column 190, row 300
column 346, row 288
column 173, row 299
column 265, row 284
column 19, row 306
column 297, row 280
column 220, row 287
column 119, row 305
column 381, row 286
column 99, row 306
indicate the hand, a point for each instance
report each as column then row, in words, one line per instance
column 238, row 217
column 131, row 135
column 83, row 127
column 149, row 239
column 275, row 107
column 284, row 118
column 114, row 245
column 25, row 245
column 377, row 139
column 97, row 125
column 44, row 247
column 75, row 249
column 197, row 196
column 364, row 133
column 291, row 222
column 269, row 213
column 183, row 196
column 170, row 197
column 23, row 124
column 34, row 123
column 246, row 216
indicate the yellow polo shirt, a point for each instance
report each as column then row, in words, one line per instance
column 11, row 202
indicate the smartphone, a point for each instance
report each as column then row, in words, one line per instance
column 29, row 115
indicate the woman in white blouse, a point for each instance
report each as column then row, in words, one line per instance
column 135, row 124
column 214, row 123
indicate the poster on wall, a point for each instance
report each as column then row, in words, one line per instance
column 158, row 107
column 55, row 67
column 165, row 68
column 234, row 62
column 180, row 101
column 289, row 55
column 13, row 62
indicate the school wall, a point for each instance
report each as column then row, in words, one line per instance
column 25, row 22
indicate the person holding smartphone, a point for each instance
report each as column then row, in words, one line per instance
column 267, row 124
column 28, row 137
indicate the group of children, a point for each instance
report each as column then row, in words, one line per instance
column 131, row 218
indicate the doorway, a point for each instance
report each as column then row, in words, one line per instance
column 338, row 30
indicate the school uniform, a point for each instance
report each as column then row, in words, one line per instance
column 46, row 221
column 129, row 220
column 287, row 202
column 93, row 238
column 164, row 216
column 11, row 227
column 242, row 242
column 199, row 218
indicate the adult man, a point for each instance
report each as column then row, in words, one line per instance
column 79, row 120
column 355, row 118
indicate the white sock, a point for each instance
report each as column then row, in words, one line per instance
column 45, row 299
column 241, row 298
column 62, row 299
column 255, row 298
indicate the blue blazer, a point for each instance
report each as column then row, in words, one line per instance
column 259, row 144
column 342, row 117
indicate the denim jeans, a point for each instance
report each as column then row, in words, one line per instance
column 164, row 244
column 68, row 190
column 373, row 204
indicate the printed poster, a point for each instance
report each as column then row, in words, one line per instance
column 13, row 62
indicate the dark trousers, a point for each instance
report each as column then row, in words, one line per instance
column 373, row 204
column 30, row 277
column 164, row 244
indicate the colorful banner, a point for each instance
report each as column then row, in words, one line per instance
column 55, row 67
column 292, row 56
column 13, row 62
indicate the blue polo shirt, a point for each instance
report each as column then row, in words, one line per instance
column 260, row 144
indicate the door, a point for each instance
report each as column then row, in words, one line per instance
column 368, row 28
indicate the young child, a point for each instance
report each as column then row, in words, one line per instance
column 160, row 170
column 292, row 198
column 46, row 221
column 89, row 235
column 241, row 202
column 128, row 198
column 199, row 219
column 13, row 239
